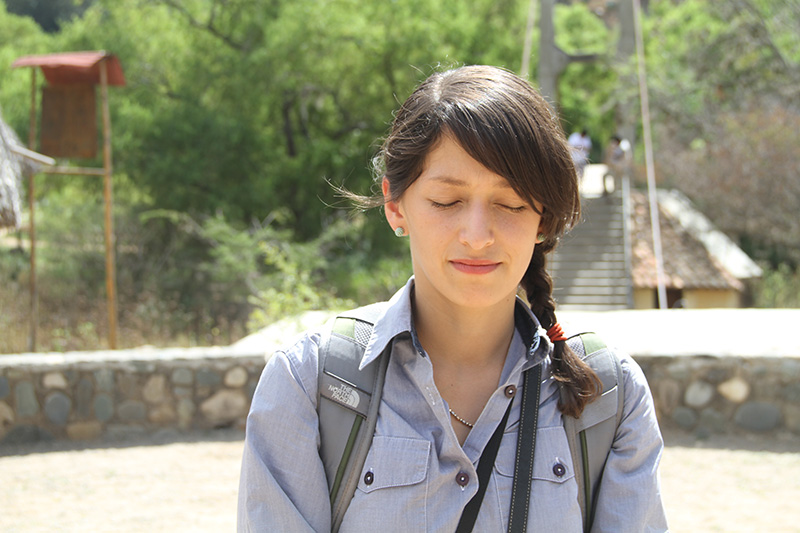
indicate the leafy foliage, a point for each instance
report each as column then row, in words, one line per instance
column 587, row 98
column 744, row 176
column 250, row 105
column 727, row 115
column 18, row 36
column 779, row 287
column 48, row 14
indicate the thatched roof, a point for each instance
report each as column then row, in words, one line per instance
column 13, row 168
column 691, row 261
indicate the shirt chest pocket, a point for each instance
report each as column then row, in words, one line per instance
column 392, row 487
column 552, row 459
column 554, row 495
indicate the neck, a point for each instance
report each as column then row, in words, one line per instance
column 469, row 337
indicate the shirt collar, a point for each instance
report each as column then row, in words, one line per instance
column 397, row 319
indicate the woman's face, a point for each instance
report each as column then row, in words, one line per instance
column 472, row 237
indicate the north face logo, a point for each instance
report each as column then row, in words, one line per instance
column 345, row 395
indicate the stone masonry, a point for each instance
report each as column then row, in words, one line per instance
column 709, row 394
column 83, row 396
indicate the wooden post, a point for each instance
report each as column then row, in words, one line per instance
column 524, row 70
column 111, row 283
column 34, row 296
column 655, row 221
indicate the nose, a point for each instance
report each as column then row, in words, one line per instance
column 477, row 228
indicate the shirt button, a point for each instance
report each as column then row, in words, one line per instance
column 462, row 478
column 369, row 477
column 559, row 470
column 510, row 391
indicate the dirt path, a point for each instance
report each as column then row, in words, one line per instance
column 179, row 486
column 732, row 484
column 723, row 484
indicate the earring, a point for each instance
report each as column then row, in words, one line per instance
column 542, row 237
column 399, row 231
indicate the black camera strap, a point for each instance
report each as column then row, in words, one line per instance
column 526, row 440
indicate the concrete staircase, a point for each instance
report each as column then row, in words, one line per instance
column 590, row 267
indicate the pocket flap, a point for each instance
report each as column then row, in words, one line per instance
column 552, row 459
column 394, row 462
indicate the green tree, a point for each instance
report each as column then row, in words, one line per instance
column 19, row 36
column 587, row 89
column 48, row 14
column 248, row 106
column 724, row 92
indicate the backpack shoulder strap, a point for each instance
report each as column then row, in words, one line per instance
column 347, row 402
column 590, row 437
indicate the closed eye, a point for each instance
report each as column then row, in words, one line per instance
column 440, row 205
column 519, row 209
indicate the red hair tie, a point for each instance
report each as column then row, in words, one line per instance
column 555, row 333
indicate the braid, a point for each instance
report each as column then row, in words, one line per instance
column 577, row 380
column 539, row 287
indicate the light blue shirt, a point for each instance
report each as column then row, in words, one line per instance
column 415, row 457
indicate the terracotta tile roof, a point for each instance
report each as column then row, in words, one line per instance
column 687, row 262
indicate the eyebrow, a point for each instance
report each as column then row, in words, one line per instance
column 456, row 182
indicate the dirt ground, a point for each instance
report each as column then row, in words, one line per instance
column 727, row 484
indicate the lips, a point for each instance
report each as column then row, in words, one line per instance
column 474, row 266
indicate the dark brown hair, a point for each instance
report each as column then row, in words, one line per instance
column 506, row 125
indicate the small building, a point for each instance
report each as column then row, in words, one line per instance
column 703, row 268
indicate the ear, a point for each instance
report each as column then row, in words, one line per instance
column 539, row 233
column 394, row 213
column 546, row 227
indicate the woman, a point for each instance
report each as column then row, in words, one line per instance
column 476, row 173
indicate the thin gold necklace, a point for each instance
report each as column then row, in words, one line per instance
column 461, row 419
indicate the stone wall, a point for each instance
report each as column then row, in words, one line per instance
column 709, row 394
column 83, row 396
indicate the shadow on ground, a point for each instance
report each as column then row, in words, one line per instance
column 781, row 442
column 773, row 442
column 160, row 438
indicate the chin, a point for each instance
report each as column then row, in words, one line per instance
column 483, row 298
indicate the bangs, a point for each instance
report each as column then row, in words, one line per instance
column 502, row 122
column 504, row 142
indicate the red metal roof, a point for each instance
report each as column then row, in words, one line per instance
column 75, row 67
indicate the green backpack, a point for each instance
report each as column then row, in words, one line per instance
column 348, row 401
